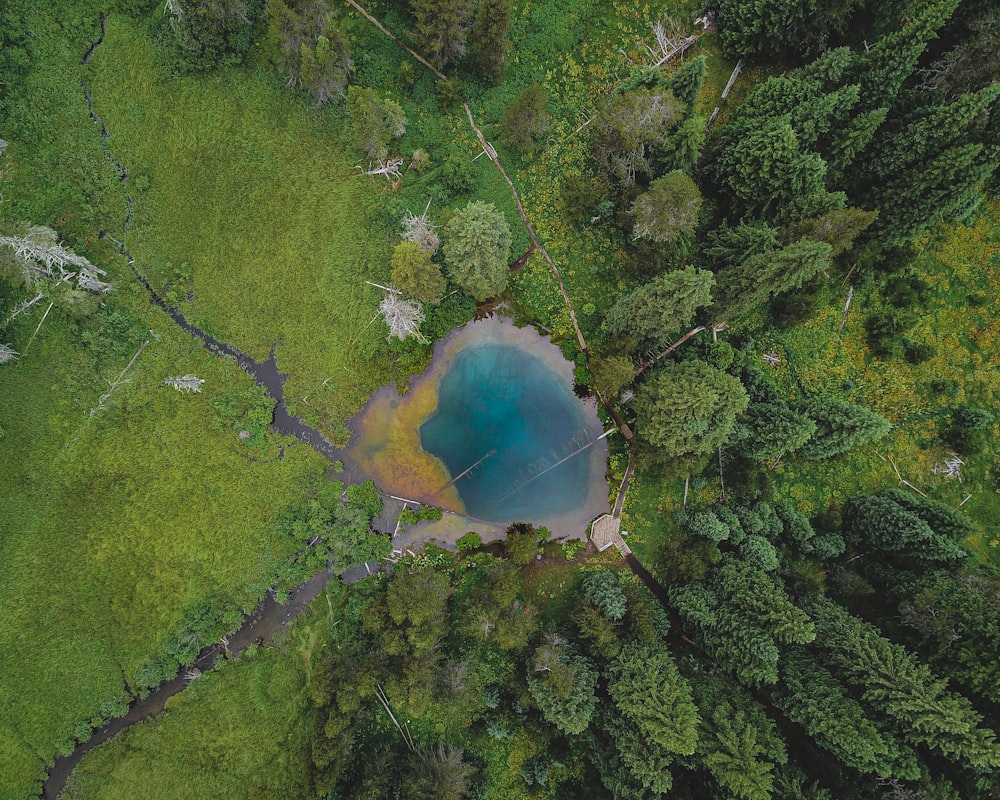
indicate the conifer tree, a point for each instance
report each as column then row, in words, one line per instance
column 840, row 426
column 688, row 410
column 476, row 248
column 442, row 26
column 687, row 81
column 667, row 209
column 655, row 312
column 650, row 694
column 489, row 38
column 415, row 274
column 893, row 681
column 745, row 286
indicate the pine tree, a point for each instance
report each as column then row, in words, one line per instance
column 769, row 430
column 655, row 312
column 837, row 228
column 687, row 81
column 442, row 26
column 527, row 117
column 688, row 409
column 879, row 521
column 489, row 38
column 376, row 121
column 562, row 684
column 767, row 174
column 650, row 694
column 415, row 274
column 906, row 691
column 667, row 209
column 840, row 426
column 745, row 286
column 476, row 249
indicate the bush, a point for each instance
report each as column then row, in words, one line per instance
column 470, row 541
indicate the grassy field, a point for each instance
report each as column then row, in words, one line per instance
column 242, row 731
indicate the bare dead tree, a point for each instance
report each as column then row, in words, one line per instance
column 732, row 79
column 41, row 256
column 23, row 307
column 669, row 41
column 402, row 316
column 192, row 674
column 403, row 731
column 772, row 358
column 389, row 168
column 174, row 7
column 7, row 353
column 421, row 231
column 847, row 307
column 952, row 467
column 186, row 383
column 118, row 381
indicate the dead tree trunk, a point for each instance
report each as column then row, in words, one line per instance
column 732, row 79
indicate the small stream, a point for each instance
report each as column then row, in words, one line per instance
column 270, row 617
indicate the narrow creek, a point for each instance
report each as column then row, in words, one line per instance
column 270, row 617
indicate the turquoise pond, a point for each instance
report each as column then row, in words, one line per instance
column 504, row 410
column 491, row 432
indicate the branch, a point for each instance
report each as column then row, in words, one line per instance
column 644, row 365
column 118, row 381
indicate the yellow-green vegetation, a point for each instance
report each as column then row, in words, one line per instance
column 242, row 730
column 251, row 215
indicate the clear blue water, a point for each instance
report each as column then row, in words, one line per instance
column 501, row 399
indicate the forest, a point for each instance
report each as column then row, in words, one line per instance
column 764, row 233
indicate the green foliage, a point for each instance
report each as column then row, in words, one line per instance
column 654, row 313
column 742, row 287
column 414, row 273
column 766, row 173
column 489, row 38
column 602, row 589
column 768, row 430
column 840, row 426
column 883, row 522
column 759, row 553
column 708, row 525
column 629, row 128
column 688, row 409
column 611, row 374
column 315, row 54
column 521, row 543
column 813, row 698
column 527, row 117
column 476, row 249
column 376, row 121
column 906, row 691
column 652, row 697
column 471, row 541
column 687, row 81
column 441, row 29
column 667, row 209
column 562, row 684
column 838, row 228
column 212, row 33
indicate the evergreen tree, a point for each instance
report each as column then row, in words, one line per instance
column 415, row 274
column 476, row 250
column 903, row 689
column 837, row 228
column 654, row 700
column 212, row 33
column 840, row 426
column 442, row 26
column 688, row 409
column 767, row 174
column 814, row 699
column 667, row 209
column 683, row 149
column 686, row 82
column 376, row 121
column 654, row 313
column 768, row 430
column 726, row 246
column 527, row 117
column 315, row 54
column 879, row 521
column 602, row 589
column 629, row 129
column 743, row 287
column 562, row 684
column 489, row 38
